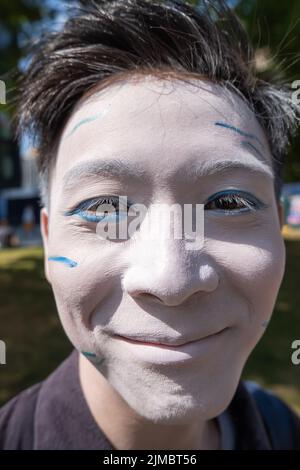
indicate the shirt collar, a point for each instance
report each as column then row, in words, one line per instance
column 63, row 419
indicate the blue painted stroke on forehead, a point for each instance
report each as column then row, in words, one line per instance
column 243, row 134
column 249, row 144
column 239, row 131
column 86, row 121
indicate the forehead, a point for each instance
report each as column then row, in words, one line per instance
column 162, row 124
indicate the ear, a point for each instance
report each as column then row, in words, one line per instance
column 44, row 221
column 281, row 214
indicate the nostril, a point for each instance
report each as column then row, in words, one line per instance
column 145, row 295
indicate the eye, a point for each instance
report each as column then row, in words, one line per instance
column 103, row 208
column 230, row 202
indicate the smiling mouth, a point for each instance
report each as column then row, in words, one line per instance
column 176, row 346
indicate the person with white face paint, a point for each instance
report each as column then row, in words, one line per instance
column 157, row 102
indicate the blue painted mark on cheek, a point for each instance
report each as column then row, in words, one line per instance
column 93, row 357
column 88, row 354
column 62, row 259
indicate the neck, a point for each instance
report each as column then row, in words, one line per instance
column 127, row 430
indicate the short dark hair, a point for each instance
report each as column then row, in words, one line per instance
column 105, row 41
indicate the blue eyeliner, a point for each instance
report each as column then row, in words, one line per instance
column 62, row 259
column 94, row 218
column 235, row 192
column 82, row 210
column 239, row 131
column 240, row 195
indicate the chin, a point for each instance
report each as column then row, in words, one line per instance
column 180, row 407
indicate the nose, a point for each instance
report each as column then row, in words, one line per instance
column 165, row 271
column 170, row 286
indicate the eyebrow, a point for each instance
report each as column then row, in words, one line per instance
column 135, row 172
column 247, row 164
column 114, row 168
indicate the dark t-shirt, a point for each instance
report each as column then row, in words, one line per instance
column 54, row 415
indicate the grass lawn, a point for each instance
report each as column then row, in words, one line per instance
column 36, row 343
column 29, row 325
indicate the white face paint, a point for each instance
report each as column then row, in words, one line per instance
column 158, row 290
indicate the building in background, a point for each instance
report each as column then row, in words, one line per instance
column 291, row 201
column 19, row 194
column 10, row 168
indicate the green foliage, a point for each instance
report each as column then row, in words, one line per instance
column 30, row 327
column 14, row 14
column 275, row 28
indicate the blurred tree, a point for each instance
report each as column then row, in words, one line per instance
column 14, row 14
column 20, row 20
column 274, row 28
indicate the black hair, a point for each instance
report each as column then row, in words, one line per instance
column 104, row 41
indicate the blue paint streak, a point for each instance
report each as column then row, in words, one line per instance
column 115, row 217
column 83, row 121
column 96, row 360
column 63, row 259
column 239, row 131
column 88, row 354
column 249, row 144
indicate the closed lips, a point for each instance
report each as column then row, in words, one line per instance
column 167, row 345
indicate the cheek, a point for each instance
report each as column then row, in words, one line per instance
column 252, row 258
column 253, row 274
column 80, row 289
column 258, row 272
